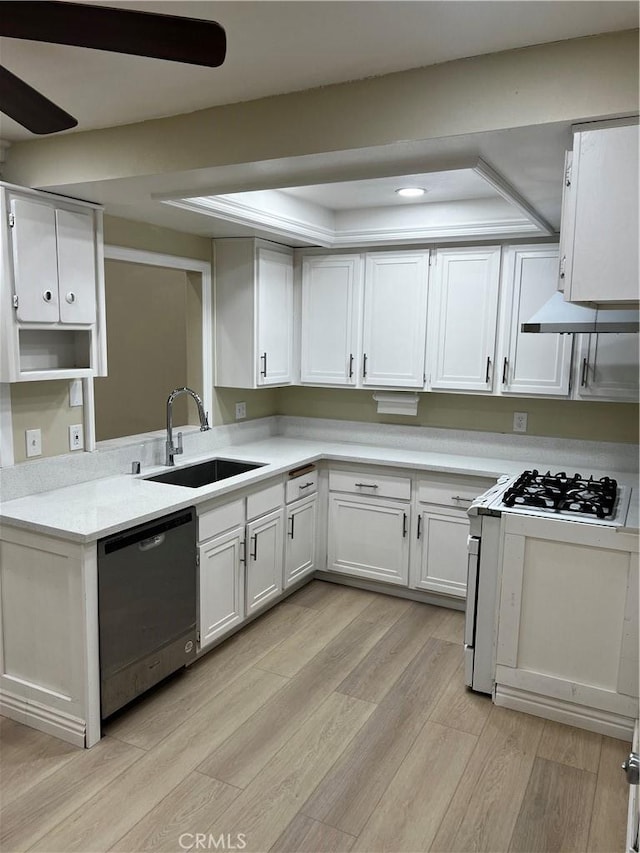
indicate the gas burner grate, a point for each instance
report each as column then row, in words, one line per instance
column 561, row 493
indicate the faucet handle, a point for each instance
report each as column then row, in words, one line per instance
column 179, row 449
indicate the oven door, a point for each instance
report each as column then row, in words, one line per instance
column 471, row 611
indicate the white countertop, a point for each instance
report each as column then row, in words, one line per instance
column 91, row 510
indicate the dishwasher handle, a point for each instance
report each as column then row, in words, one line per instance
column 153, row 542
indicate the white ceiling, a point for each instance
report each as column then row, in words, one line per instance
column 277, row 47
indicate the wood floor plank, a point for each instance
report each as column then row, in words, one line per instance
column 244, row 754
column 305, row 835
column 162, row 711
column 568, row 745
column 385, row 663
column 28, row 757
column 269, row 803
column 410, row 810
column 461, row 708
column 25, row 820
column 316, row 595
column 451, row 628
column 106, row 817
column 289, row 656
column 555, row 812
column 609, row 819
column 191, row 806
column 349, row 793
column 485, row 807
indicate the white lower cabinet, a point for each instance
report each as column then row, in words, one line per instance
column 221, row 597
column 300, row 542
column 368, row 538
column 264, row 560
column 441, row 559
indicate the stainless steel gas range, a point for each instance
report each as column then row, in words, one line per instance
column 571, row 499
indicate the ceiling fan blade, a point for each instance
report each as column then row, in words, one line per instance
column 190, row 40
column 29, row 108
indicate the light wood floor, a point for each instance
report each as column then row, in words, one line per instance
column 338, row 721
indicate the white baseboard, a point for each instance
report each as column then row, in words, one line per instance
column 44, row 719
column 592, row 719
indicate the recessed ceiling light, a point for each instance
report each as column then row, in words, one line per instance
column 411, row 192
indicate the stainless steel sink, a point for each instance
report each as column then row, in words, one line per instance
column 211, row 471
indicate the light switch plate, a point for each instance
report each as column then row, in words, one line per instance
column 76, row 437
column 34, row 442
column 75, row 393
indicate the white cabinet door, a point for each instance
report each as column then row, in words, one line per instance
column 530, row 363
column 76, row 267
column 264, row 560
column 441, row 558
column 369, row 539
column 395, row 312
column 602, row 240
column 33, row 238
column 331, row 301
column 608, row 367
column 221, row 586
column 275, row 318
column 462, row 318
column 300, row 540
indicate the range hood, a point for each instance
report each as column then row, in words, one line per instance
column 562, row 317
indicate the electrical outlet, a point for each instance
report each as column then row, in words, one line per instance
column 520, row 421
column 75, row 393
column 34, row 442
column 76, row 437
column 241, row 411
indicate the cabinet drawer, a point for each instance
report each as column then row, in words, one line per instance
column 300, row 487
column 212, row 522
column 453, row 491
column 265, row 500
column 374, row 485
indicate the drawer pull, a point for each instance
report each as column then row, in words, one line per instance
column 460, row 498
column 306, row 485
column 366, row 485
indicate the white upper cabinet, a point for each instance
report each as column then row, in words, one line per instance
column 600, row 236
column 52, row 312
column 529, row 363
column 395, row 310
column 253, row 313
column 54, row 263
column 463, row 312
column 331, row 299
column 607, row 367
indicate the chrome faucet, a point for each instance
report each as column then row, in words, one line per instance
column 171, row 449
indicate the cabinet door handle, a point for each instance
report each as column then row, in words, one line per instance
column 419, row 526
column 563, row 266
column 351, row 366
column 585, row 370
column 47, row 295
column 366, row 485
column 243, row 557
column 254, row 555
column 70, row 297
column 293, row 518
column 263, row 359
column 364, row 366
column 505, row 365
column 463, row 500
column 404, row 524
column 486, row 376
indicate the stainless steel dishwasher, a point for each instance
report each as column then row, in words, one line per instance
column 146, row 606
